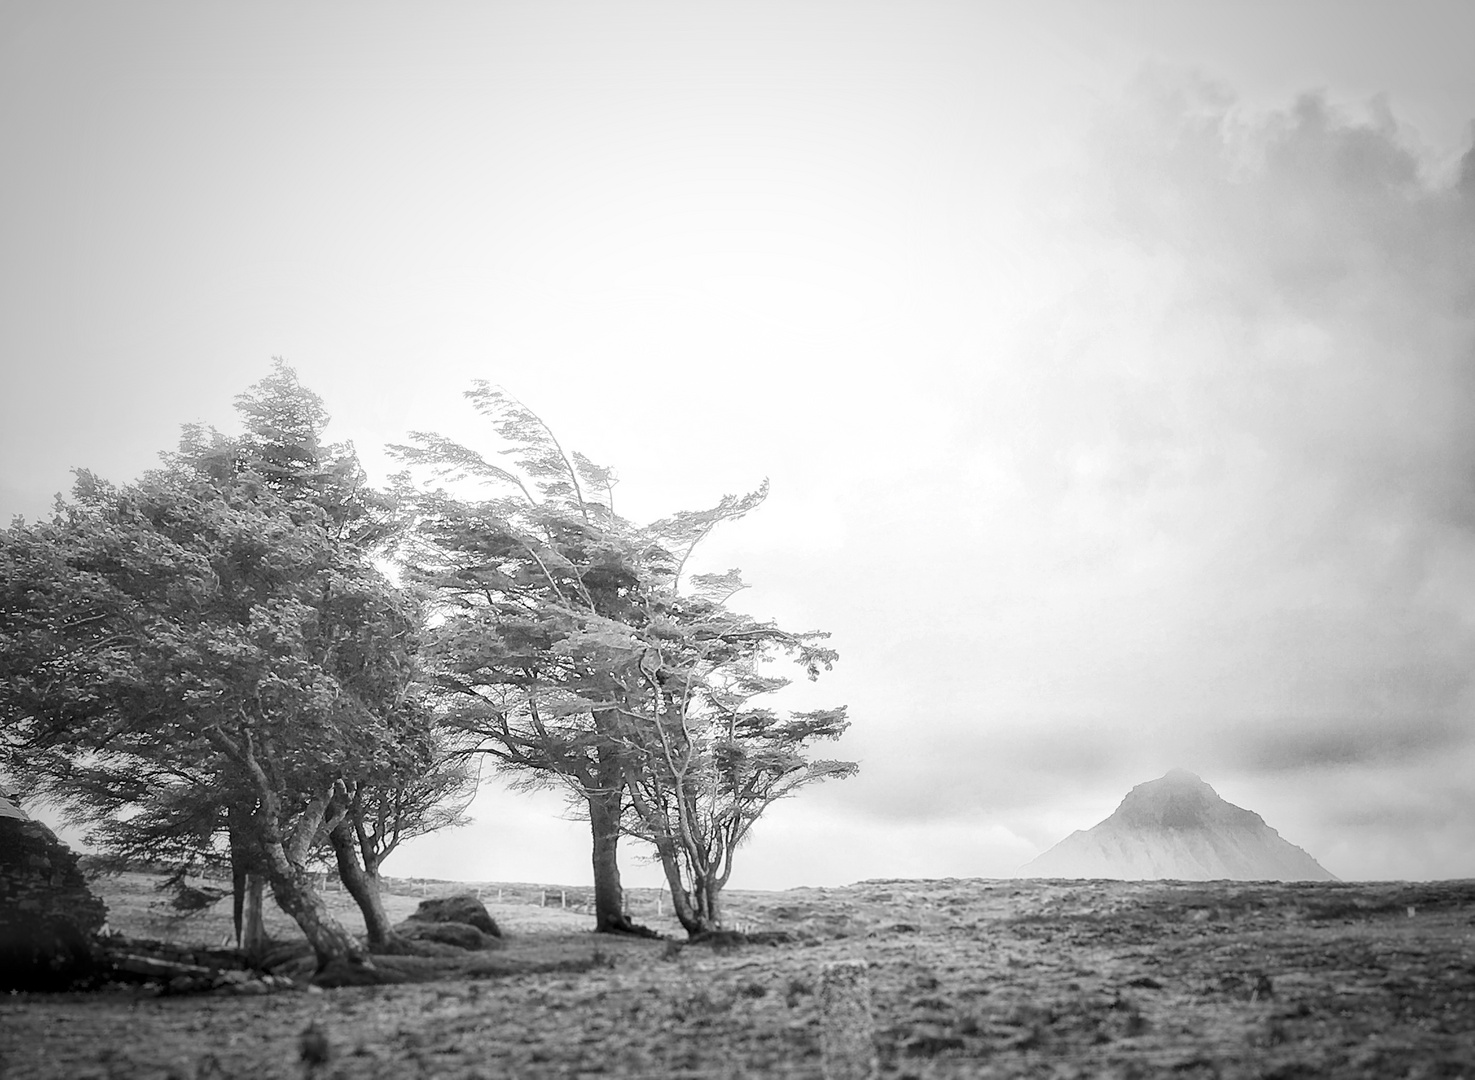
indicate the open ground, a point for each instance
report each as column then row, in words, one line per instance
column 968, row 978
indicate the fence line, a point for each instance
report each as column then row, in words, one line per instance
column 638, row 902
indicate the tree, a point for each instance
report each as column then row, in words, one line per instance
column 370, row 818
column 566, row 650
column 509, row 577
column 410, row 791
column 220, row 625
column 705, row 762
column 701, row 761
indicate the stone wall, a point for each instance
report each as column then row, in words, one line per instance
column 48, row 916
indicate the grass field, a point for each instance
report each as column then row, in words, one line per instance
column 967, row 978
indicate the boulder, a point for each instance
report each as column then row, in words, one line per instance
column 461, row 921
column 461, row 935
column 461, row 908
column 49, row 918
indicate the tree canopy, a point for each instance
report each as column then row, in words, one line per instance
column 572, row 645
column 216, row 635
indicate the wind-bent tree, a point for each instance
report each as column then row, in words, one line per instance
column 565, row 649
column 220, row 625
column 369, row 819
column 704, row 761
column 509, row 577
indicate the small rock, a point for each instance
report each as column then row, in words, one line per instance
column 1264, row 989
column 930, row 1045
column 313, row 1047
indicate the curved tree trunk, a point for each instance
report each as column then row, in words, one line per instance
column 291, row 884
column 295, row 892
column 297, row 895
column 362, row 886
column 695, row 904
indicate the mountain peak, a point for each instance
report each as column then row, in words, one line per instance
column 1177, row 826
column 1179, row 776
column 1179, row 800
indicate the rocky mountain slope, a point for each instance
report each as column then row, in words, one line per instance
column 1177, row 827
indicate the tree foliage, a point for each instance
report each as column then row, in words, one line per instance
column 572, row 645
column 217, row 635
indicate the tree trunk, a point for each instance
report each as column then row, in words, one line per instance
column 291, row 884
column 709, row 907
column 606, row 803
column 296, row 894
column 695, row 906
column 362, row 886
column 251, row 931
column 609, row 893
column 247, row 884
column 294, row 891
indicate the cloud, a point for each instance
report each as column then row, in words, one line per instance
column 1220, row 479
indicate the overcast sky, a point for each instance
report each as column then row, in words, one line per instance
column 1113, row 364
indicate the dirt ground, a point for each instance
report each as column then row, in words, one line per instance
column 968, row 979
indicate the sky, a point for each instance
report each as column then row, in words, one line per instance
column 1112, row 364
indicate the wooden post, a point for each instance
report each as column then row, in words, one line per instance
column 563, row 899
column 847, row 1035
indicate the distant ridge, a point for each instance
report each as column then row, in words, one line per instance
column 1177, row 827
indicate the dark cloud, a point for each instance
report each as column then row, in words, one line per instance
column 1276, row 749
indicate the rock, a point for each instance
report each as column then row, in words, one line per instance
column 719, row 939
column 49, row 917
column 459, row 934
column 313, row 1047
column 189, row 898
column 461, row 921
column 461, row 908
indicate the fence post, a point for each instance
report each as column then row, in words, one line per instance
column 847, row 1027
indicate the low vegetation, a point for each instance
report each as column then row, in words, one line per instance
column 966, row 979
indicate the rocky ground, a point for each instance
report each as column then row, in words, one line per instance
column 967, row 979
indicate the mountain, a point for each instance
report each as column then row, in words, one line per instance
column 1178, row 827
